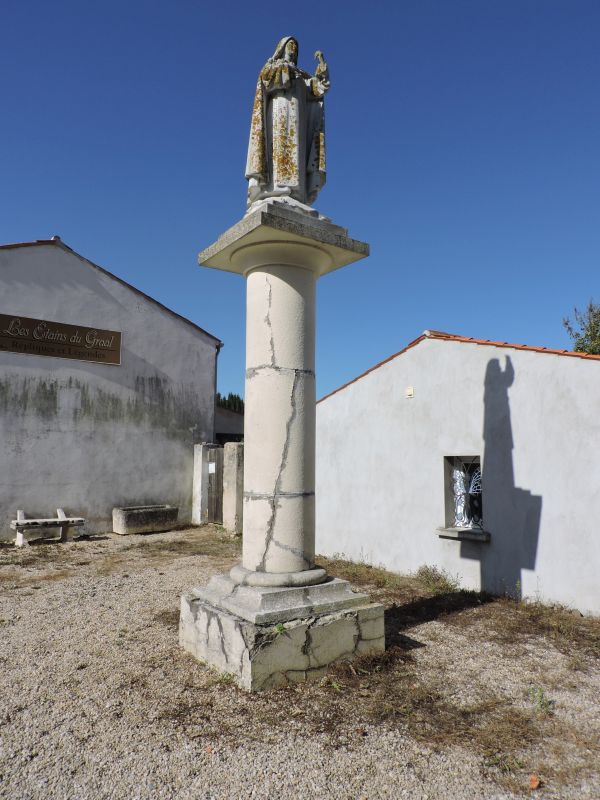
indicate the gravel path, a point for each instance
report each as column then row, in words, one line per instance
column 98, row 701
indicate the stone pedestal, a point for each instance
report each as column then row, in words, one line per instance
column 262, row 656
column 281, row 252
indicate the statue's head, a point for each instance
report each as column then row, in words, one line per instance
column 287, row 49
column 291, row 51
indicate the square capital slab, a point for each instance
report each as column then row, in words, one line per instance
column 279, row 235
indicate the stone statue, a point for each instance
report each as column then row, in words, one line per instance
column 286, row 152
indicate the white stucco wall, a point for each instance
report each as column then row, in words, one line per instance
column 87, row 436
column 380, row 467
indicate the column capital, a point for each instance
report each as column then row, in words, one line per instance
column 277, row 235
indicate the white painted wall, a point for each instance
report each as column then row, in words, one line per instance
column 86, row 436
column 380, row 476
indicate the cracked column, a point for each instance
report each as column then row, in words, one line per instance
column 281, row 252
column 279, row 471
column 277, row 617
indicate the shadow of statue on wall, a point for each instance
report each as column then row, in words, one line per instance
column 510, row 514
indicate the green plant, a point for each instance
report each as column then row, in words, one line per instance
column 327, row 680
column 506, row 763
column 585, row 329
column 225, row 679
column 541, row 701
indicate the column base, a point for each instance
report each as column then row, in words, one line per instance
column 286, row 649
column 308, row 577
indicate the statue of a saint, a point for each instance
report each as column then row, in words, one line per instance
column 286, row 153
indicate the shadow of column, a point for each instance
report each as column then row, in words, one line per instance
column 510, row 514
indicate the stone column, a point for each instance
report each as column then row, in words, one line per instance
column 279, row 468
column 230, row 622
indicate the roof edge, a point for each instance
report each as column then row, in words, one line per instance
column 13, row 245
column 58, row 242
column 451, row 337
column 376, row 366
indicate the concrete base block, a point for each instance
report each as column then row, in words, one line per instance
column 144, row 519
column 263, row 656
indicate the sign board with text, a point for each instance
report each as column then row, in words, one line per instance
column 38, row 337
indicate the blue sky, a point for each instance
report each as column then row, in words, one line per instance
column 463, row 144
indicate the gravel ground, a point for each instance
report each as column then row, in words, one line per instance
column 98, row 701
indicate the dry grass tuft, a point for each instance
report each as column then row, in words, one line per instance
column 216, row 546
column 168, row 617
column 392, row 691
column 41, row 553
column 431, row 594
column 367, row 576
column 437, row 581
column 510, row 621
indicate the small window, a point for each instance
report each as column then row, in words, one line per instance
column 464, row 503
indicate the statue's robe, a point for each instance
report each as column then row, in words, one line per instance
column 286, row 152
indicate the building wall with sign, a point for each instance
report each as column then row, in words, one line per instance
column 86, row 435
column 388, row 441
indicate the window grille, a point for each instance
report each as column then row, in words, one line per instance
column 466, row 492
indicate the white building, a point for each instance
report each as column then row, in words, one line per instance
column 399, row 451
column 103, row 390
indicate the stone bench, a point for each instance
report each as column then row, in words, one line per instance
column 144, row 519
column 61, row 521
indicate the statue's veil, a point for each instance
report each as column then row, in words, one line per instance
column 280, row 49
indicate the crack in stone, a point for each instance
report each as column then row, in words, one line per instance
column 221, row 638
column 289, row 549
column 252, row 371
column 279, row 495
column 307, row 646
column 241, row 668
column 223, row 598
column 268, row 322
column 276, row 490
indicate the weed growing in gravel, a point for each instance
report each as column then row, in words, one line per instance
column 505, row 763
column 225, row 679
column 328, row 681
column 541, row 701
column 437, row 581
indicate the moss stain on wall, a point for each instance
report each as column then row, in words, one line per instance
column 155, row 403
column 29, row 395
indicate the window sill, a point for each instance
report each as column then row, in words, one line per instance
column 469, row 534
